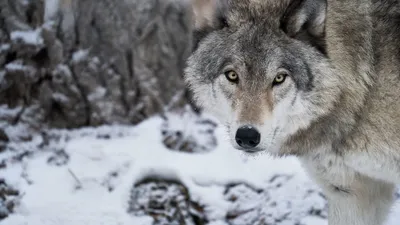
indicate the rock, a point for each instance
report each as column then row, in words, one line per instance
column 3, row 140
column 58, row 158
column 195, row 135
column 245, row 205
column 8, row 199
column 167, row 202
column 274, row 204
column 3, row 136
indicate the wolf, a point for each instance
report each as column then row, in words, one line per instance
column 316, row 79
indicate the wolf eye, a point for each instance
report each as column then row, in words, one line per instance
column 232, row 76
column 280, row 78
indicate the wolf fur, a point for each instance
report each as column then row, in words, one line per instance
column 338, row 109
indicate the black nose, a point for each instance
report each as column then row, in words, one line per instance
column 247, row 137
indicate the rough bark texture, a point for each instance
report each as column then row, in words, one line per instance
column 73, row 63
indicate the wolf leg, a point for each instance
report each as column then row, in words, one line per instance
column 368, row 203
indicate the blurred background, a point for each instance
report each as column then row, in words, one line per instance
column 97, row 126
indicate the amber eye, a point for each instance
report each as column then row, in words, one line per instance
column 232, row 76
column 280, row 78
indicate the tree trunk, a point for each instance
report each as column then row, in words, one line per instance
column 73, row 63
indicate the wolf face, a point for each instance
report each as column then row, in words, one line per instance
column 260, row 68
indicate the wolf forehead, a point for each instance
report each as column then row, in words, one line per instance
column 254, row 52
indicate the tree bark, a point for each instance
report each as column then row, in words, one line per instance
column 74, row 63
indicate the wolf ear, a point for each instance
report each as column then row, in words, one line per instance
column 305, row 20
column 204, row 13
column 208, row 15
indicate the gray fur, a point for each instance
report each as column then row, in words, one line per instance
column 339, row 110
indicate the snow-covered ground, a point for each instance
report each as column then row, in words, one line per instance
column 86, row 176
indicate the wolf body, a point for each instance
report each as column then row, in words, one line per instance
column 312, row 78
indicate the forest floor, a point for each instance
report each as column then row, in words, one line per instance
column 176, row 171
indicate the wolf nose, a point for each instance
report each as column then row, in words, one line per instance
column 247, row 137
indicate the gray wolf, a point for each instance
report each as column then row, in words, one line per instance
column 316, row 79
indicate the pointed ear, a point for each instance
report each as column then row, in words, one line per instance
column 204, row 12
column 208, row 15
column 305, row 20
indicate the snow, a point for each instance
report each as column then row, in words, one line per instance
column 31, row 37
column 77, row 191
column 60, row 97
column 80, row 55
column 18, row 66
column 97, row 94
column 4, row 47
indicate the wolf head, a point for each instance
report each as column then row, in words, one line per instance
column 259, row 67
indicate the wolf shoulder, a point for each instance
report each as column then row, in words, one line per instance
column 367, row 43
column 382, row 111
